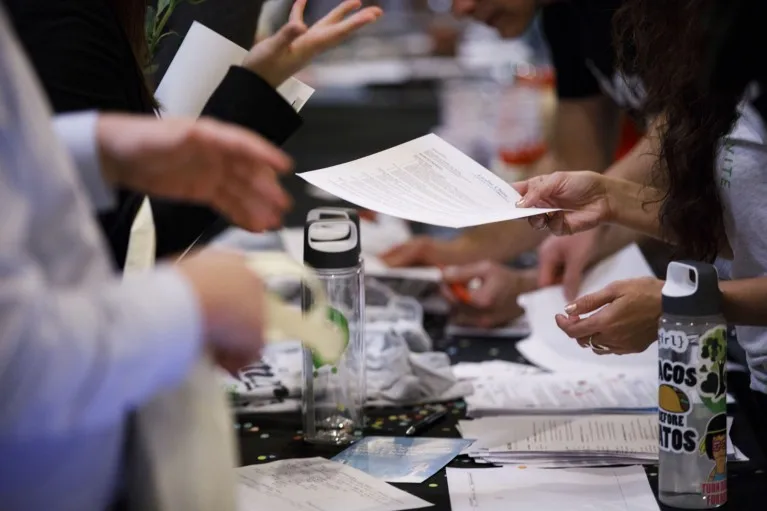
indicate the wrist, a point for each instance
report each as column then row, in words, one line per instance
column 110, row 168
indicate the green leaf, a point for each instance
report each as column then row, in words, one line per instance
column 162, row 5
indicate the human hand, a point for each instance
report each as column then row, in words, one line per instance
column 583, row 195
column 280, row 56
column 428, row 251
column 627, row 323
column 565, row 259
column 203, row 161
column 494, row 302
column 231, row 298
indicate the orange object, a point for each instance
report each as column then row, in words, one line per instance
column 460, row 291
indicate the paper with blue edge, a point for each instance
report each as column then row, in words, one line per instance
column 402, row 459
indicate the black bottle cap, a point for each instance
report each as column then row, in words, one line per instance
column 332, row 243
column 691, row 289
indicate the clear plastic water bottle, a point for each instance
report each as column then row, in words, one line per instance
column 333, row 397
column 692, row 396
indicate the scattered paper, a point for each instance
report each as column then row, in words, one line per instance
column 293, row 242
column 199, row 66
column 425, row 180
column 520, row 327
column 402, row 459
column 564, row 392
column 505, row 488
column 492, row 369
column 551, row 348
column 317, row 484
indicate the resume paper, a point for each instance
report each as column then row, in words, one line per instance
column 425, row 180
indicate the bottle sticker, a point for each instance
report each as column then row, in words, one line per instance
column 339, row 321
column 674, row 434
column 713, row 445
column 676, row 340
column 711, row 369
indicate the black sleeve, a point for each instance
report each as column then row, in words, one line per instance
column 243, row 98
column 562, row 29
column 83, row 62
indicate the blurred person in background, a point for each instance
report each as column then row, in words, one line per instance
column 592, row 96
column 92, row 54
column 81, row 347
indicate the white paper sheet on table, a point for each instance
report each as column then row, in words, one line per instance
column 293, row 243
column 425, row 180
column 317, row 484
column 506, row 488
column 492, row 369
column 185, row 89
column 564, row 392
column 549, row 347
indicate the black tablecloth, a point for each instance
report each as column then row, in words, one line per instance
column 270, row 437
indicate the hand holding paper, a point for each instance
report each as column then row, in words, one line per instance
column 292, row 48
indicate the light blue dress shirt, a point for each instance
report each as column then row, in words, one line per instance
column 79, row 346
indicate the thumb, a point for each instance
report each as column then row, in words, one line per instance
column 591, row 302
column 549, row 265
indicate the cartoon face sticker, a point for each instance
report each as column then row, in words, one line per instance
column 713, row 380
column 714, row 446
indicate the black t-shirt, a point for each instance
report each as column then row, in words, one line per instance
column 580, row 37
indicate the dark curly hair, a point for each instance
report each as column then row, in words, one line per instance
column 670, row 43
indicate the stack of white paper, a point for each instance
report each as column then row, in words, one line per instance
column 564, row 393
column 493, row 369
column 317, row 484
column 505, row 488
column 550, row 348
column 560, row 441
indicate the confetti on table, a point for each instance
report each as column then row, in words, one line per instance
column 261, row 458
column 264, row 435
column 433, row 485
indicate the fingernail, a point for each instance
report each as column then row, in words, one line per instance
column 570, row 308
column 520, row 203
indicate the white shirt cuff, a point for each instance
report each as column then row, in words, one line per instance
column 78, row 133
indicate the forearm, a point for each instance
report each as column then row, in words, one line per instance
column 743, row 301
column 638, row 165
column 635, row 206
column 612, row 238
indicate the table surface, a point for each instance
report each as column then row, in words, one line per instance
column 270, row 437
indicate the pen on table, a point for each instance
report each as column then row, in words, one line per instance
column 423, row 424
column 459, row 290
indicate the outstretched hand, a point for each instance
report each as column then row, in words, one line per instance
column 582, row 195
column 225, row 167
column 292, row 48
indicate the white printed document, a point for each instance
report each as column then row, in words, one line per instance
column 199, row 66
column 550, row 348
column 564, row 392
column 317, row 484
column 603, row 434
column 530, row 489
column 425, row 180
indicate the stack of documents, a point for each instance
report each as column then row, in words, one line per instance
column 546, row 393
column 557, row 441
column 562, row 441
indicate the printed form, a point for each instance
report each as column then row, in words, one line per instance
column 425, row 180
column 505, row 488
column 317, row 484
